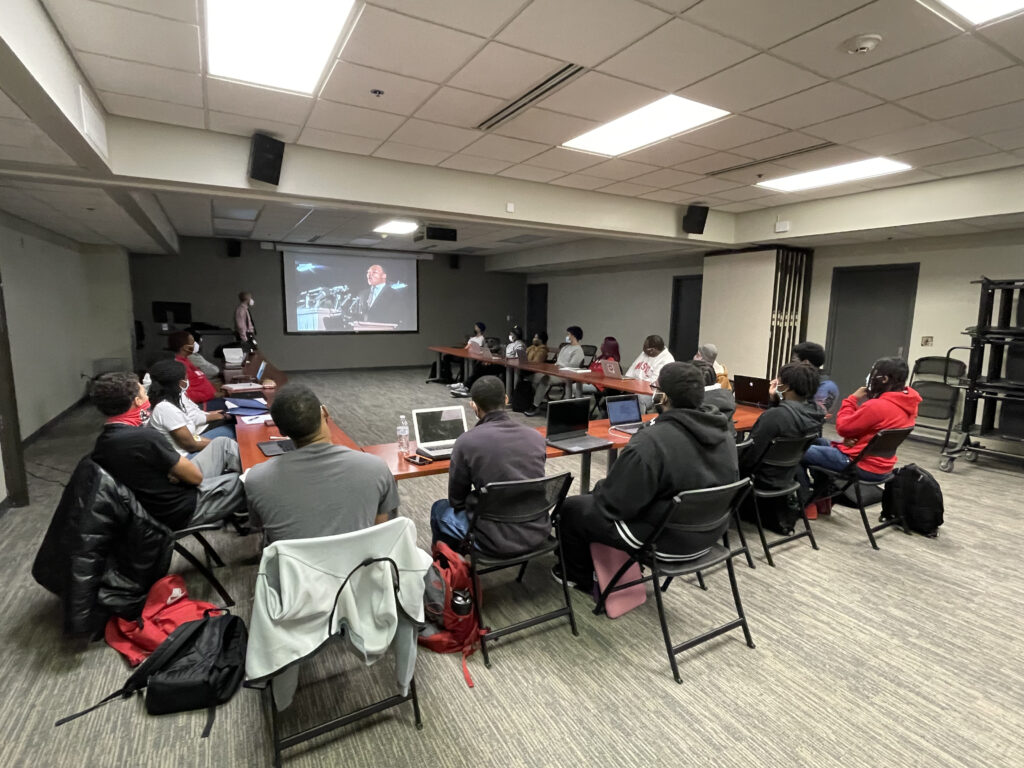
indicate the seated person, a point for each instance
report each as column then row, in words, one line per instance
column 648, row 364
column 497, row 449
column 200, row 390
column 183, row 423
column 885, row 403
column 685, row 449
column 709, row 354
column 814, row 354
column 569, row 356
column 476, row 342
column 319, row 489
column 609, row 351
column 177, row 491
column 723, row 399
column 537, row 352
column 514, row 350
column 200, row 362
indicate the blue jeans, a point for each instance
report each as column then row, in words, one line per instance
column 446, row 524
column 825, row 455
column 222, row 430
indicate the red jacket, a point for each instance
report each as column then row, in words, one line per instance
column 199, row 387
column 862, row 421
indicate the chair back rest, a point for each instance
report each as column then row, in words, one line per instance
column 938, row 400
column 884, row 444
column 946, row 367
column 589, row 352
column 707, row 510
column 786, row 452
column 520, row 501
column 743, row 446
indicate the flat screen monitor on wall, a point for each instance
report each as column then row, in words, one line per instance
column 349, row 292
column 175, row 312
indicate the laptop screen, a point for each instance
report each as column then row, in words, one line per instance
column 752, row 390
column 623, row 409
column 567, row 416
column 262, row 368
column 434, row 425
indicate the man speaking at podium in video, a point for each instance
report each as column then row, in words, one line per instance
column 382, row 302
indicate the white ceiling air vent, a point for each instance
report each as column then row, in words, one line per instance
column 539, row 91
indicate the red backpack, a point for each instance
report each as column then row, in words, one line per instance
column 448, row 607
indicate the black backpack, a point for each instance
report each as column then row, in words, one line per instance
column 914, row 496
column 198, row 666
column 522, row 396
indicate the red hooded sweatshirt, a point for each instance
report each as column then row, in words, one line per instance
column 890, row 410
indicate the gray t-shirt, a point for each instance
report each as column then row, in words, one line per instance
column 319, row 490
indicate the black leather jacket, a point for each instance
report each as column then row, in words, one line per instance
column 102, row 551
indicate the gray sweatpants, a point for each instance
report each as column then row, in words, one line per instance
column 221, row 494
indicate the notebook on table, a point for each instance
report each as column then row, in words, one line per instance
column 568, row 421
column 624, row 413
column 751, row 390
column 437, row 429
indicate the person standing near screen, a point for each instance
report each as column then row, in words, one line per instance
column 244, row 328
column 382, row 302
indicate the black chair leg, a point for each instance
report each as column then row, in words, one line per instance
column 667, row 582
column 475, row 581
column 807, row 527
column 864, row 515
column 739, row 605
column 760, row 532
column 700, row 581
column 206, row 573
column 415, row 704
column 522, row 571
column 211, row 553
column 664, row 630
column 743, row 540
column 565, row 591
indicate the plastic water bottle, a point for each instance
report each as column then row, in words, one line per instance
column 403, row 435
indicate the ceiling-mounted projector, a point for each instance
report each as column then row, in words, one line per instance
column 442, row 234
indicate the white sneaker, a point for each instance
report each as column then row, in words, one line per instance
column 456, row 385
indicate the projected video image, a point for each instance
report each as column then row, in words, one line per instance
column 363, row 292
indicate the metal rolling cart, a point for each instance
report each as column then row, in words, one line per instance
column 999, row 392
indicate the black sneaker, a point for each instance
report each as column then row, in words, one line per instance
column 556, row 574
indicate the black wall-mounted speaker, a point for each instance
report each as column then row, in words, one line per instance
column 694, row 220
column 234, row 248
column 265, row 158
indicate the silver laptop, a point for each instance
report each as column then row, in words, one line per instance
column 624, row 413
column 612, row 370
column 568, row 421
column 437, row 429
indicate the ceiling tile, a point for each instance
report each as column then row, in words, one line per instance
column 862, row 125
column 9, row 109
column 778, row 145
column 815, row 105
column 667, row 153
column 147, row 109
column 600, row 97
column 252, row 100
column 1009, row 34
column 707, row 186
column 565, row 160
column 351, row 84
column 976, row 165
column 413, row 48
column 711, row 163
column 145, row 80
column 124, row 34
column 971, row 95
column 741, row 194
column 481, row 17
column 666, row 177
column 462, row 108
column 767, row 24
column 581, row 181
column 338, row 142
column 897, row 179
column 664, row 195
column 620, row 170
column 190, row 214
column 394, row 150
column 420, row 133
column 1011, row 139
column 749, row 205
column 989, row 120
column 907, row 139
column 947, row 62
column 504, row 72
column 43, row 153
column 475, row 164
column 676, row 55
column 904, row 26
column 732, row 132
column 581, row 31
column 548, row 127
column 945, row 153
column 180, row 10
column 626, row 188
column 242, row 125
column 751, row 83
column 755, row 173
column 673, row 6
column 504, row 148
column 822, row 158
column 344, row 118
column 531, row 173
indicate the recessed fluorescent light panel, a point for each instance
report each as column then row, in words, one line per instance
column 274, row 44
column 837, row 174
column 397, row 227
column 647, row 125
column 980, row 11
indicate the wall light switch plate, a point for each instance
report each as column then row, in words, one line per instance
column 782, row 226
column 510, row 207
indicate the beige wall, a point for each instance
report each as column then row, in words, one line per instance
column 66, row 307
column 627, row 304
column 946, row 301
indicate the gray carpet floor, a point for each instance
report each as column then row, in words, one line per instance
column 909, row 656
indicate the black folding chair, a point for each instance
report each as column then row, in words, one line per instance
column 741, row 448
column 883, row 445
column 931, row 379
column 782, row 453
column 589, row 352
column 213, row 560
column 710, row 511
column 513, row 503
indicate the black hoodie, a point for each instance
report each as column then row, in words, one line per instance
column 790, row 418
column 685, row 449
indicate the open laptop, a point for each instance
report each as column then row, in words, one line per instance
column 612, row 370
column 248, row 386
column 436, row 430
column 624, row 413
column 751, row 390
column 568, row 421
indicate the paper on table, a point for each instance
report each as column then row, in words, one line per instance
column 260, row 400
column 261, row 418
column 230, row 405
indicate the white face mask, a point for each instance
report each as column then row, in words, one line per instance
column 146, row 382
column 511, row 338
column 185, row 388
column 568, row 339
column 195, row 348
column 251, row 302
